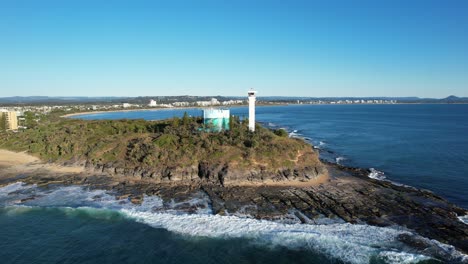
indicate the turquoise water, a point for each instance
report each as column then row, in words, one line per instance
column 57, row 235
column 419, row 145
column 77, row 225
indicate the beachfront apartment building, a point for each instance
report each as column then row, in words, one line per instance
column 9, row 120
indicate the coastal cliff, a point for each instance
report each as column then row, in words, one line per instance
column 176, row 150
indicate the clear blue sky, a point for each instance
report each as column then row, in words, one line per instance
column 297, row 48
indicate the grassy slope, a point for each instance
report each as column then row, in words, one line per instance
column 150, row 144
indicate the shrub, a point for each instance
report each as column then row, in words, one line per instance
column 281, row 132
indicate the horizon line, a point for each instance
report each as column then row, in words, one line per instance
column 285, row 96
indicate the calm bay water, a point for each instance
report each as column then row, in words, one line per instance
column 419, row 145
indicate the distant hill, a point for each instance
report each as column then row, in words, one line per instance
column 448, row 100
column 453, row 99
column 67, row 100
column 53, row 100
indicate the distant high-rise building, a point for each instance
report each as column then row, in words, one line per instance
column 10, row 119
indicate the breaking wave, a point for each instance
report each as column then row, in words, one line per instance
column 346, row 242
column 295, row 134
column 349, row 243
column 464, row 219
column 339, row 160
column 376, row 174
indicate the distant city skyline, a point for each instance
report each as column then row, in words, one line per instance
column 295, row 48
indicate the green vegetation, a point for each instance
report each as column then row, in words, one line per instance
column 281, row 132
column 30, row 119
column 157, row 144
column 2, row 122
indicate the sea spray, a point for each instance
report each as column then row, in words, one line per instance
column 464, row 219
column 339, row 160
column 347, row 242
column 376, row 174
column 343, row 241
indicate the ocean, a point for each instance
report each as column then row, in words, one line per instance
column 418, row 145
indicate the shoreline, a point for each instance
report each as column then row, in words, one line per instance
column 161, row 109
column 23, row 163
column 233, row 106
column 123, row 110
column 346, row 194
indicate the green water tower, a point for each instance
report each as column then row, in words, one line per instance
column 216, row 120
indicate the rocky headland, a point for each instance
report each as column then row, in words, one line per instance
column 264, row 175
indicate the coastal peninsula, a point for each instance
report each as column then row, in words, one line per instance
column 264, row 175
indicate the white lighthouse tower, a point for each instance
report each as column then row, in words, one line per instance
column 252, row 99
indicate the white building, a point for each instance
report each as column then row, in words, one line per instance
column 213, row 101
column 126, row 105
column 252, row 99
column 152, row 103
column 179, row 104
column 232, row 102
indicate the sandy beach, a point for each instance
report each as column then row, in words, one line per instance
column 163, row 109
column 124, row 110
column 10, row 158
column 22, row 162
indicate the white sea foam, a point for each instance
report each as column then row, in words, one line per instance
column 17, row 186
column 347, row 242
column 320, row 145
column 448, row 251
column 293, row 135
column 243, row 211
column 199, row 204
column 376, row 174
column 464, row 219
column 393, row 257
column 78, row 196
column 339, row 160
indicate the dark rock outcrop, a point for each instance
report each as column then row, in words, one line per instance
column 218, row 174
column 349, row 196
